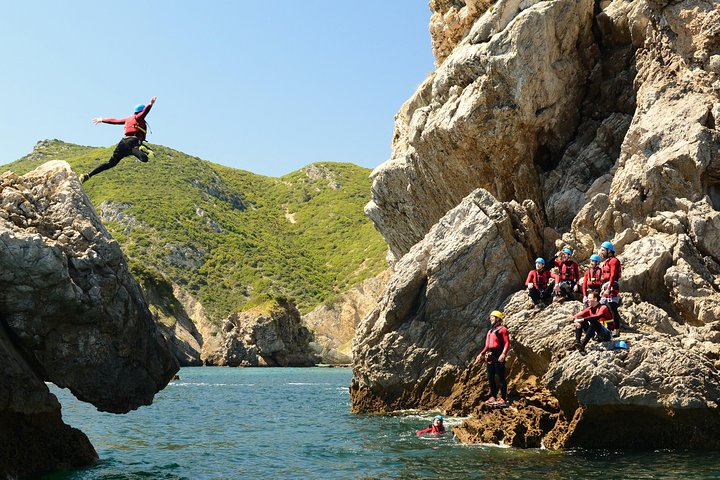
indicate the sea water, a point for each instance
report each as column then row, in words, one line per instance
column 266, row 423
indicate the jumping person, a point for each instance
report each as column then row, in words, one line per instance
column 592, row 320
column 497, row 344
column 592, row 281
column 569, row 275
column 540, row 283
column 435, row 428
column 610, row 290
column 131, row 144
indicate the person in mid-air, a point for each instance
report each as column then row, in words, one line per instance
column 131, row 144
column 435, row 428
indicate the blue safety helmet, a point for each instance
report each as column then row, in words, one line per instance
column 567, row 250
column 438, row 417
column 595, row 257
column 540, row 260
column 608, row 246
column 139, row 108
column 621, row 344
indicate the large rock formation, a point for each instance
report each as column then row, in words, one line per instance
column 270, row 335
column 629, row 152
column 71, row 314
column 334, row 323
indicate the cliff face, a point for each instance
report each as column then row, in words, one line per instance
column 71, row 314
column 600, row 120
column 334, row 323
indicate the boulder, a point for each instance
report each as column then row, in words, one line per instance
column 269, row 335
column 71, row 314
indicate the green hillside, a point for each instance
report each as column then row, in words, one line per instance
column 231, row 237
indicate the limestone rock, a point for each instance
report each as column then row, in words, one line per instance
column 630, row 154
column 509, row 90
column 264, row 336
column 451, row 21
column 72, row 315
column 416, row 344
column 334, row 323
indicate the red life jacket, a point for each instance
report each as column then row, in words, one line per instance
column 569, row 271
column 592, row 279
column 611, row 270
column 494, row 338
column 539, row 279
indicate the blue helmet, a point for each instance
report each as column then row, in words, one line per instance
column 438, row 417
column 608, row 246
column 567, row 250
column 595, row 257
column 139, row 108
column 540, row 260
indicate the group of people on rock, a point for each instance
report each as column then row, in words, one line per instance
column 557, row 282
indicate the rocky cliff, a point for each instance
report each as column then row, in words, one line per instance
column 550, row 123
column 71, row 314
column 334, row 323
column 270, row 335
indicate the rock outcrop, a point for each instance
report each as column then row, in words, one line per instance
column 71, row 314
column 334, row 323
column 270, row 335
column 629, row 152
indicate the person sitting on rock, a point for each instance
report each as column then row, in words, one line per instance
column 592, row 281
column 540, row 284
column 610, row 289
column 435, row 428
column 497, row 344
column 591, row 320
column 569, row 275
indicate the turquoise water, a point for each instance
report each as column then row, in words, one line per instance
column 263, row 423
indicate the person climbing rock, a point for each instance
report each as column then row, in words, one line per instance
column 592, row 280
column 497, row 343
column 540, row 284
column 569, row 275
column 131, row 144
column 592, row 320
column 435, row 428
column 610, row 289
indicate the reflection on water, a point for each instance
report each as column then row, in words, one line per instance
column 223, row 423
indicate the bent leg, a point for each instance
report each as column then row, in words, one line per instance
column 121, row 151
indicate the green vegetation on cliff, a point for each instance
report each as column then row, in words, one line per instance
column 231, row 237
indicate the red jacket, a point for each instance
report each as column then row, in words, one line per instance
column 135, row 125
column 539, row 279
column 432, row 429
column 592, row 279
column 497, row 337
column 611, row 270
column 569, row 270
column 599, row 312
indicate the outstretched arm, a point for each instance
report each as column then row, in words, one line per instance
column 147, row 108
column 114, row 121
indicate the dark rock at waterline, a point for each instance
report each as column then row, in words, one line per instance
column 71, row 314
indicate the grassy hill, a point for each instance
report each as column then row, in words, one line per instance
column 231, row 237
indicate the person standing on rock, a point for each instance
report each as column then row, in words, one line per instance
column 592, row 281
column 497, row 344
column 592, row 320
column 540, row 284
column 610, row 290
column 131, row 144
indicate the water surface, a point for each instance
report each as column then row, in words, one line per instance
column 263, row 423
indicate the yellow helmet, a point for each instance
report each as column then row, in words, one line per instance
column 497, row 314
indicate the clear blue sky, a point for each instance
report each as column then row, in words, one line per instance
column 262, row 86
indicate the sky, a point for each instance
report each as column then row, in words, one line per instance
column 267, row 87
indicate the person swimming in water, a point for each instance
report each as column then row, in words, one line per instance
column 435, row 428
